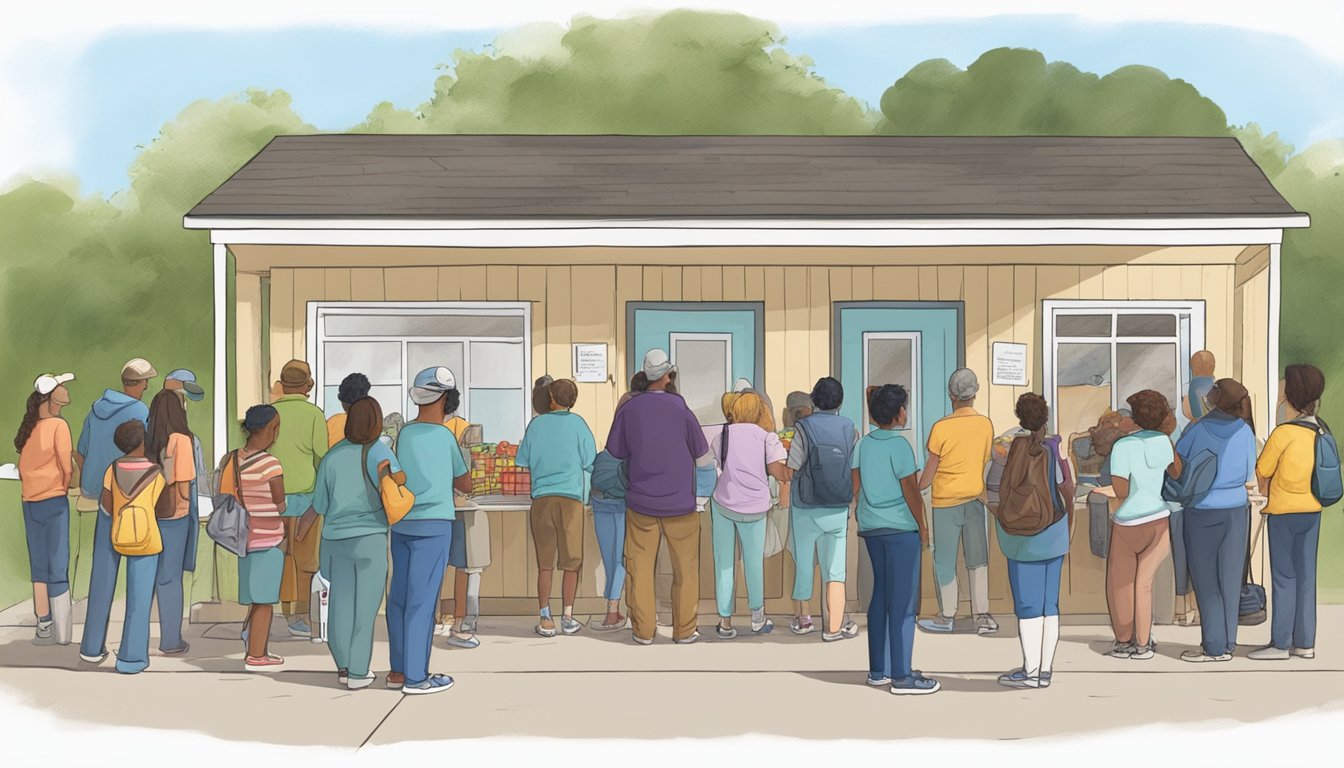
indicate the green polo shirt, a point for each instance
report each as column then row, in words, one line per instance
column 302, row 442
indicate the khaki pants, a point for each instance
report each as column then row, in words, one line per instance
column 1136, row 553
column 642, row 536
column 301, row 564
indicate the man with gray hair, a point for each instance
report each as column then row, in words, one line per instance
column 959, row 448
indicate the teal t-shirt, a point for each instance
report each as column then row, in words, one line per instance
column 431, row 459
column 558, row 449
column 346, row 498
column 1143, row 457
column 883, row 458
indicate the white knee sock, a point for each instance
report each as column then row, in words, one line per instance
column 980, row 590
column 1049, row 641
column 473, row 598
column 947, row 599
column 1029, row 631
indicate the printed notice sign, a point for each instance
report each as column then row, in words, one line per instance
column 590, row 363
column 1010, row 364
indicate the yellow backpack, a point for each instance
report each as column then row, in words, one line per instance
column 135, row 530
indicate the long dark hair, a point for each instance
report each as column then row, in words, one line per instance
column 167, row 417
column 30, row 416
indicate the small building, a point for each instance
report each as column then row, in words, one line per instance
column 1081, row 268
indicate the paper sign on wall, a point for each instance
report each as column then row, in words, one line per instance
column 1010, row 364
column 590, row 363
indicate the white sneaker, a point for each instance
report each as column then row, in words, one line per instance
column 985, row 624
column 462, row 640
column 1304, row 653
column 94, row 659
column 356, row 683
column 936, row 624
column 1269, row 653
column 1198, row 656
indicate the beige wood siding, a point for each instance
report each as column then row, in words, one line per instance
column 579, row 295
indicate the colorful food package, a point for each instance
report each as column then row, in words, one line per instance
column 786, row 437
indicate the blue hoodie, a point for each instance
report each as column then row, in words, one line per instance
column 95, row 440
column 1232, row 441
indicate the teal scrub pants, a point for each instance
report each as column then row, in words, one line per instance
column 357, row 571
column 727, row 527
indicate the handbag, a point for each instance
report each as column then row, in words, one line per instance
column 228, row 525
column 397, row 499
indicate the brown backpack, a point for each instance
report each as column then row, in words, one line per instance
column 1029, row 500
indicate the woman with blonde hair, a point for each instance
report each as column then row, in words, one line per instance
column 747, row 453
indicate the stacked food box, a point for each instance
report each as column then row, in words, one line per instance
column 494, row 473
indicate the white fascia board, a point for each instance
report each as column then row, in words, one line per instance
column 746, row 237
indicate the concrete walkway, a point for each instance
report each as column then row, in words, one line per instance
column 594, row 685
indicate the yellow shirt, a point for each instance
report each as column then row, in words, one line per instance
column 336, row 429
column 1289, row 458
column 962, row 444
column 457, row 425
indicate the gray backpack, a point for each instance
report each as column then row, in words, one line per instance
column 824, row 480
column 227, row 525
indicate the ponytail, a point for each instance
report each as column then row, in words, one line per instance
column 30, row 418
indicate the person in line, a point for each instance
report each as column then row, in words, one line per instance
column 299, row 449
column 609, row 485
column 46, row 467
column 180, row 536
column 1284, row 472
column 797, row 406
column 747, row 452
column 260, row 487
column 353, row 388
column 558, row 448
column 1036, row 561
column 890, row 514
column 959, row 448
column 661, row 443
column 354, row 538
column 169, row 443
column 135, row 480
column 820, row 494
column 1215, row 527
column 1202, row 366
column 468, row 556
column 94, row 453
column 434, row 468
column 1140, row 530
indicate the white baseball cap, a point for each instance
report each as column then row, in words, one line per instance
column 657, row 364
column 48, row 382
column 430, row 384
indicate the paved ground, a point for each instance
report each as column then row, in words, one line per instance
column 595, row 686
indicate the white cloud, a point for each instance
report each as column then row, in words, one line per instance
column 39, row 42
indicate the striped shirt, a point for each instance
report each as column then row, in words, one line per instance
column 265, row 528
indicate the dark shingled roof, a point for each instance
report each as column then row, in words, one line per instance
column 705, row 177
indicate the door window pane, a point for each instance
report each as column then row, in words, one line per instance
column 499, row 412
column 1145, row 325
column 703, row 370
column 497, row 364
column 892, row 361
column 389, row 397
column 1083, row 325
column 1082, row 386
column 1147, row 366
column 379, row 360
column 426, row 354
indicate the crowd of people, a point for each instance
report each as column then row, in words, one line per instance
column 336, row 500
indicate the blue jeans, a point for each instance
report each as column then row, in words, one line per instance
column 168, row 581
column 1035, row 587
column 418, row 563
column 46, row 525
column 1293, row 541
column 133, row 655
column 726, row 532
column 102, row 585
column 891, row 611
column 609, row 522
column 1215, row 540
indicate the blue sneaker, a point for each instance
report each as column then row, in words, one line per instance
column 1019, row 678
column 877, row 682
column 300, row 628
column 432, row 684
column 915, row 685
column 938, row 624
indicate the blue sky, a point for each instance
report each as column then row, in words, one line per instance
column 127, row 85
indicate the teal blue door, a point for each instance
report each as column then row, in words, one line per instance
column 917, row 345
column 713, row 345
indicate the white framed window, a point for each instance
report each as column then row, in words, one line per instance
column 1098, row 353
column 892, row 357
column 487, row 346
column 704, row 371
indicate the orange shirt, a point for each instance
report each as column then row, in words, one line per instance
column 336, row 429
column 45, row 464
column 457, row 425
column 179, row 466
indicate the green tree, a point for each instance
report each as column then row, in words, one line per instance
column 1014, row 91
column 1270, row 151
column 683, row 72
